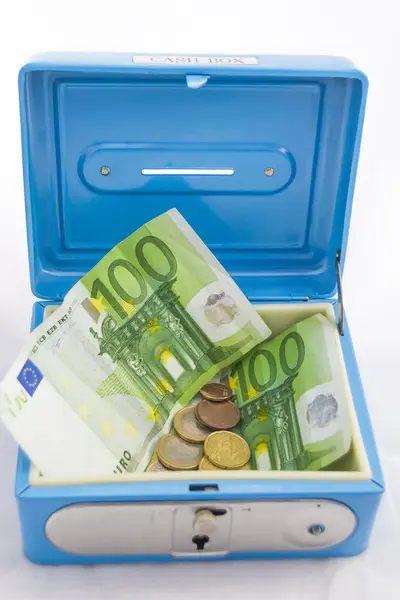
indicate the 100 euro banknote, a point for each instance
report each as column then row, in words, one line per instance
column 99, row 381
column 294, row 398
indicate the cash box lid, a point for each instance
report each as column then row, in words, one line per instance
column 258, row 153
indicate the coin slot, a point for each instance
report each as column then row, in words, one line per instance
column 194, row 487
column 188, row 171
column 200, row 541
column 218, row 167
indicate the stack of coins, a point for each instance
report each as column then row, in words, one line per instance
column 201, row 440
column 216, row 410
column 222, row 449
column 182, row 450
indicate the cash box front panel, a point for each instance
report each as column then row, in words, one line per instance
column 184, row 530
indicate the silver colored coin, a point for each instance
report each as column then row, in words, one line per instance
column 177, row 454
column 189, row 428
column 156, row 466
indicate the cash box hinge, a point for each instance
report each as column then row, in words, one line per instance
column 340, row 294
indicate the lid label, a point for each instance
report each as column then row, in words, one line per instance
column 223, row 61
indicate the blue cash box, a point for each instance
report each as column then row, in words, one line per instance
column 259, row 154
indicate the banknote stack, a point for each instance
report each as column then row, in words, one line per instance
column 108, row 384
column 99, row 382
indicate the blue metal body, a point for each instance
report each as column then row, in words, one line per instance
column 278, row 235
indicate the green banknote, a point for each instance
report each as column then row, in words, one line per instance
column 294, row 398
column 99, row 381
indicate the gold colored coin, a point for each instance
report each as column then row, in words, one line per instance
column 246, row 467
column 207, row 465
column 189, row 428
column 227, row 450
column 177, row 454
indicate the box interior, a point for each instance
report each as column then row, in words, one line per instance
column 264, row 164
column 353, row 466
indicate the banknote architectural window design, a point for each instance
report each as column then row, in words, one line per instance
column 291, row 397
column 161, row 348
column 271, row 422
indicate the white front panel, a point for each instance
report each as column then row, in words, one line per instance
column 186, row 528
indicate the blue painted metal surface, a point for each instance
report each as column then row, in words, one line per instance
column 277, row 234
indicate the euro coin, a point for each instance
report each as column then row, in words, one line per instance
column 156, row 466
column 207, row 465
column 227, row 450
column 216, row 392
column 221, row 415
column 188, row 427
column 177, row 454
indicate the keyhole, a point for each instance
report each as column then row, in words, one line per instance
column 200, row 541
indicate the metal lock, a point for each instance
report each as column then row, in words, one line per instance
column 202, row 530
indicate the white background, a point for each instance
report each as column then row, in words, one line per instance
column 369, row 33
